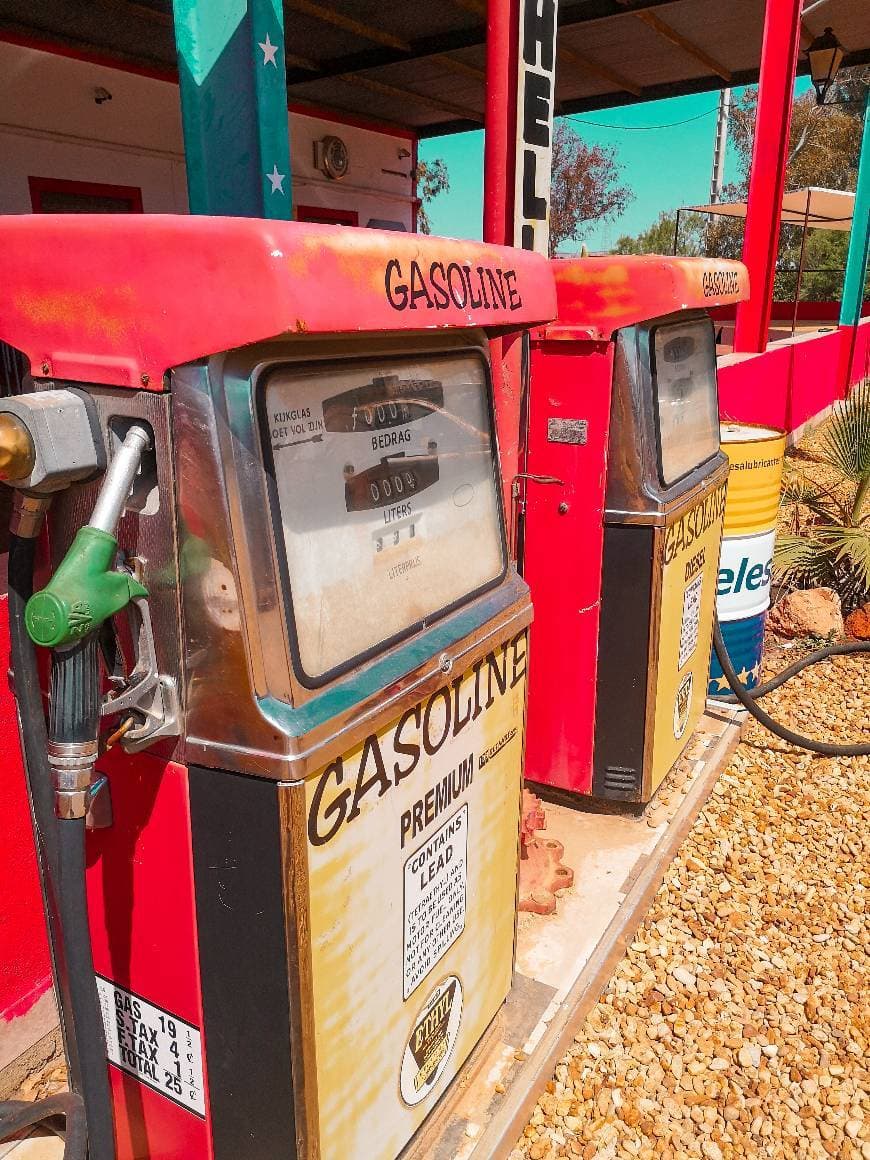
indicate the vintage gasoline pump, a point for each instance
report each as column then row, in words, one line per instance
column 621, row 519
column 288, row 669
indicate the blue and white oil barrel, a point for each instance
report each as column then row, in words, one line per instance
column 745, row 564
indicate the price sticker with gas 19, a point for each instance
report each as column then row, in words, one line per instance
column 155, row 1047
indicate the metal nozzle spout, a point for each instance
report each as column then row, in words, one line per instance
column 119, row 479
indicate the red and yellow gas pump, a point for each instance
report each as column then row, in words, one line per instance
column 289, row 657
column 624, row 494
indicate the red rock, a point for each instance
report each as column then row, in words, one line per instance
column 812, row 612
column 858, row 623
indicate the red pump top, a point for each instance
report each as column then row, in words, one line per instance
column 121, row 299
column 597, row 296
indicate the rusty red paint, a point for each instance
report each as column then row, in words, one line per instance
column 597, row 296
column 110, row 298
column 563, row 555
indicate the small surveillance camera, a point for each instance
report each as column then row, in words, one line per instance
column 101, row 95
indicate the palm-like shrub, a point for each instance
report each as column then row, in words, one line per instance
column 829, row 541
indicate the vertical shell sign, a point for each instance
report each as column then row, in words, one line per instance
column 535, row 91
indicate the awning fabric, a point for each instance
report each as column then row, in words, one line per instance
column 822, row 209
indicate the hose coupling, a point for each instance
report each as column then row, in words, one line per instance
column 28, row 512
column 72, row 773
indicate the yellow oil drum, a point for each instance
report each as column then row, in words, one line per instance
column 754, row 482
column 745, row 563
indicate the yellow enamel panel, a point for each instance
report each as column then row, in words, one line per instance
column 690, row 558
column 412, row 863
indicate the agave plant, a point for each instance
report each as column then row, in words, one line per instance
column 829, row 541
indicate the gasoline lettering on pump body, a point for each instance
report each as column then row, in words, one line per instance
column 386, row 761
column 690, row 527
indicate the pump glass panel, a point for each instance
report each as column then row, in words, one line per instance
column 386, row 488
column 687, row 418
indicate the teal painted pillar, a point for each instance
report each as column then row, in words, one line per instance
column 234, row 106
column 859, row 235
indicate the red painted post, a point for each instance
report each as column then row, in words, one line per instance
column 779, row 49
column 499, row 145
column 499, row 153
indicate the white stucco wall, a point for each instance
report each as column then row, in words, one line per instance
column 51, row 126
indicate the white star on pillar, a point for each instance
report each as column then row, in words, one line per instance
column 269, row 51
column 721, row 683
column 277, row 180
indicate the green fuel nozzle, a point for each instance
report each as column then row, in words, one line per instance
column 86, row 590
column 83, row 593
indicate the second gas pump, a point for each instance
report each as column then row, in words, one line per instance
column 620, row 518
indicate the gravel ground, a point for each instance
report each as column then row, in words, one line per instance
column 737, row 1023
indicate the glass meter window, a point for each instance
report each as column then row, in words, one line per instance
column 387, row 497
column 687, row 411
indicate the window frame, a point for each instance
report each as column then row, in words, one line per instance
column 39, row 186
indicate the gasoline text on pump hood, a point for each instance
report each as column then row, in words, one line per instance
column 598, row 296
column 118, row 299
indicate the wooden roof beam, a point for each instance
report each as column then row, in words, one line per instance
column 154, row 15
column 689, row 47
column 454, row 65
column 368, row 32
column 570, row 56
column 348, row 24
column 404, row 94
column 475, row 7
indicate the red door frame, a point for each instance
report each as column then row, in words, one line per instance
column 132, row 194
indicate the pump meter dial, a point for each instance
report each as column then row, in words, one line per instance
column 387, row 508
column 387, row 401
column 391, row 481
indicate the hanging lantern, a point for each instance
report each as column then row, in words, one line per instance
column 825, row 55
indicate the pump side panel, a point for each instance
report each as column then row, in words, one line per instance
column 563, row 556
column 143, row 927
column 687, row 558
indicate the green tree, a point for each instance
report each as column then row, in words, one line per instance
column 585, row 187
column 824, row 144
column 659, row 237
column 432, row 178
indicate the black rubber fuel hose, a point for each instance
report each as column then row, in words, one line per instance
column 62, row 849
column 74, row 708
column 747, row 697
column 16, row 1115
column 87, row 1016
column 37, row 771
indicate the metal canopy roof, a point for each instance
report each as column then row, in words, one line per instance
column 818, row 209
column 422, row 65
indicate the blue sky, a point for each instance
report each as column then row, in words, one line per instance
column 664, row 167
